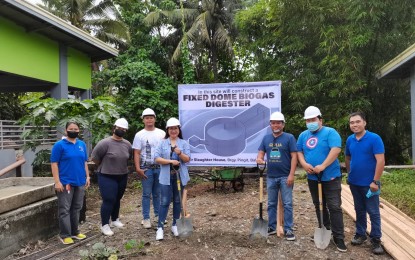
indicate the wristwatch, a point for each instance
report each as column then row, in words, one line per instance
column 376, row 182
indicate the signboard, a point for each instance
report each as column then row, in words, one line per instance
column 225, row 123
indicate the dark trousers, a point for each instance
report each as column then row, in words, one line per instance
column 363, row 205
column 112, row 189
column 69, row 205
column 332, row 211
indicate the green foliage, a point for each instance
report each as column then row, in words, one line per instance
column 398, row 188
column 99, row 251
column 10, row 108
column 40, row 168
column 134, row 245
column 96, row 116
column 327, row 53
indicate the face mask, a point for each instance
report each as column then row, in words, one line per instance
column 119, row 132
column 277, row 131
column 72, row 134
column 312, row 126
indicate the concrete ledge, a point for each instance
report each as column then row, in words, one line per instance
column 37, row 221
column 16, row 192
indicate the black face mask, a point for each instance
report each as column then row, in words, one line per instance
column 119, row 132
column 72, row 134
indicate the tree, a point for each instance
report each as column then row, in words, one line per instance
column 208, row 25
column 327, row 52
column 100, row 18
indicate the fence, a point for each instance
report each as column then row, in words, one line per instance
column 10, row 135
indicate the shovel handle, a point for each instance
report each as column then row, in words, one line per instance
column 261, row 169
column 320, row 199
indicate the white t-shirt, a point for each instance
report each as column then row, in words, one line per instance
column 147, row 142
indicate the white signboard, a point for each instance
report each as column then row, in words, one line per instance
column 225, row 123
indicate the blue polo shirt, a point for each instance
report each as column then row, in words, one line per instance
column 316, row 146
column 362, row 157
column 71, row 158
column 278, row 166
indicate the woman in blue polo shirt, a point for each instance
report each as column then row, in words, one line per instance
column 70, row 172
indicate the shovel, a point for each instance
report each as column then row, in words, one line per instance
column 322, row 236
column 260, row 226
column 184, row 225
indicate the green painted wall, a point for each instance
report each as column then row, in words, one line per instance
column 28, row 54
column 79, row 69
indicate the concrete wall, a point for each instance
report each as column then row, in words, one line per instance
column 7, row 157
column 37, row 221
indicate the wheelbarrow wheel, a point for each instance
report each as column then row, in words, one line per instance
column 238, row 185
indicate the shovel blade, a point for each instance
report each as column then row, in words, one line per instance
column 259, row 229
column 322, row 237
column 184, row 227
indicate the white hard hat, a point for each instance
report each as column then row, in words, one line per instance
column 277, row 116
column 148, row 112
column 122, row 122
column 311, row 112
column 172, row 122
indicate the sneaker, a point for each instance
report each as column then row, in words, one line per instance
column 377, row 248
column 289, row 235
column 159, row 234
column 174, row 231
column 271, row 231
column 146, row 223
column 339, row 242
column 67, row 241
column 106, row 230
column 117, row 223
column 80, row 236
column 358, row 240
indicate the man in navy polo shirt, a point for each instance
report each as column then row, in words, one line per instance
column 281, row 153
column 365, row 161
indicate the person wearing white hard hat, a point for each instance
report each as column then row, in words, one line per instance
column 318, row 148
column 281, row 151
column 112, row 155
column 172, row 152
column 144, row 146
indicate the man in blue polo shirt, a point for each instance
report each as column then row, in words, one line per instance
column 282, row 161
column 365, row 161
column 318, row 148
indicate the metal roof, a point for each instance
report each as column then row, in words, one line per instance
column 400, row 66
column 36, row 19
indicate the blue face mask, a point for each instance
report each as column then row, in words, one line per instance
column 312, row 126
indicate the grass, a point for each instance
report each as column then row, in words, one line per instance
column 398, row 188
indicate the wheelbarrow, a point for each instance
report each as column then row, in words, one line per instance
column 234, row 175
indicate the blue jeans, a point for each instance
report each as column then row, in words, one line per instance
column 363, row 205
column 112, row 189
column 151, row 188
column 274, row 185
column 332, row 201
column 69, row 206
column 166, row 194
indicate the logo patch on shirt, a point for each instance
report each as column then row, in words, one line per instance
column 81, row 149
column 312, row 142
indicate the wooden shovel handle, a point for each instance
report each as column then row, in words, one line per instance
column 280, row 216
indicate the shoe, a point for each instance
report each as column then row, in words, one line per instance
column 106, row 230
column 271, row 231
column 146, row 223
column 339, row 243
column 159, row 234
column 117, row 223
column 358, row 240
column 80, row 236
column 377, row 248
column 67, row 241
column 289, row 235
column 174, row 231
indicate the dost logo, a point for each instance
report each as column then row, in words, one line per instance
column 312, row 142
